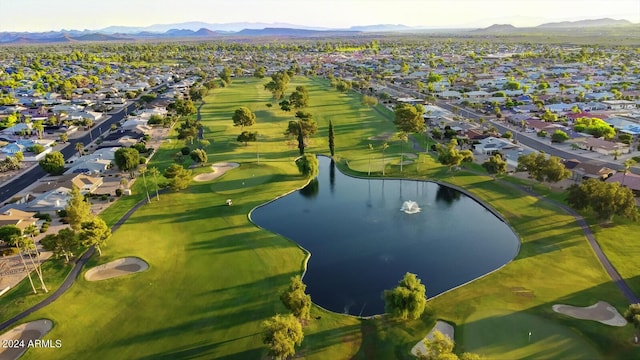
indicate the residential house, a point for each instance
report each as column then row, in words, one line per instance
column 19, row 218
column 492, row 145
column 602, row 146
column 86, row 184
column 586, row 170
column 630, row 180
column 53, row 200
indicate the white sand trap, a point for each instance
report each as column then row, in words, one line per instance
column 16, row 341
column 444, row 327
column 218, row 169
column 119, row 267
column 601, row 311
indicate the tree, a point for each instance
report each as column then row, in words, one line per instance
column 179, row 177
column 450, row 155
column 403, row 137
column 127, row 159
column 295, row 299
column 143, row 171
column 78, row 209
column 541, row 168
column 64, row 138
column 8, row 234
column 605, row 199
column 53, row 163
column 278, row 84
column 594, row 126
column 247, row 136
column 300, row 139
column 495, row 165
column 20, row 242
column 408, row 300
column 79, row 148
column 95, row 232
column 61, row 244
column 281, row 334
column 30, row 245
column 306, row 125
column 259, row 72
column 332, row 145
column 308, row 165
column 370, row 153
column 408, row 118
column 440, row 347
column 199, row 156
column 384, row 147
column 627, row 166
column 243, row 117
column 155, row 173
column 369, row 101
column 300, row 98
column 559, row 136
column 225, row 75
column 632, row 315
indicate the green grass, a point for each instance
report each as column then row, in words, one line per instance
column 214, row 276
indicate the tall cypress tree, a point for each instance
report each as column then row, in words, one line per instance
column 300, row 139
column 331, row 139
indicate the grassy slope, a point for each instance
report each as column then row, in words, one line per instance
column 189, row 309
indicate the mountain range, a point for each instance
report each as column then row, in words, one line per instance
column 203, row 30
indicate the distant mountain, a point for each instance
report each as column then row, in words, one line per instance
column 381, row 28
column 497, row 29
column 197, row 25
column 205, row 32
column 605, row 22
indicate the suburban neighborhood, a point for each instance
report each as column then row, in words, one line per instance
column 165, row 185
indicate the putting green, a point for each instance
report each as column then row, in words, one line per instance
column 505, row 335
column 237, row 182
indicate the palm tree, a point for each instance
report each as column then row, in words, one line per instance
column 32, row 230
column 154, row 172
column 18, row 240
column 384, row 147
column 79, row 148
column 143, row 170
column 627, row 165
column 403, row 137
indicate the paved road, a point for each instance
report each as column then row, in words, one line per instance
column 29, row 177
column 533, row 143
column 526, row 139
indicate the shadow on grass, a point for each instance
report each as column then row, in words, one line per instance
column 553, row 335
column 206, row 350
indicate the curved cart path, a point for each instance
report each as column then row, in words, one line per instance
column 73, row 275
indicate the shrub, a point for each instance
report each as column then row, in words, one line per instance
column 62, row 213
column 185, row 150
column 143, row 160
column 104, row 197
column 118, row 192
column 9, row 251
column 45, row 217
column 44, row 227
column 542, row 133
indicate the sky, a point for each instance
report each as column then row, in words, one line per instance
column 45, row 15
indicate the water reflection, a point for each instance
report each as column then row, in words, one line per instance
column 359, row 251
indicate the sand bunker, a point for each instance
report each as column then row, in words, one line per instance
column 116, row 268
column 444, row 327
column 383, row 136
column 601, row 311
column 218, row 170
column 16, row 341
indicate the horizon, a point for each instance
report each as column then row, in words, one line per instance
column 57, row 15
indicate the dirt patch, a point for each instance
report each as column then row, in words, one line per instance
column 601, row 311
column 16, row 341
column 120, row 267
column 218, row 170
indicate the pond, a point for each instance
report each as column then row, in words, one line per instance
column 361, row 243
